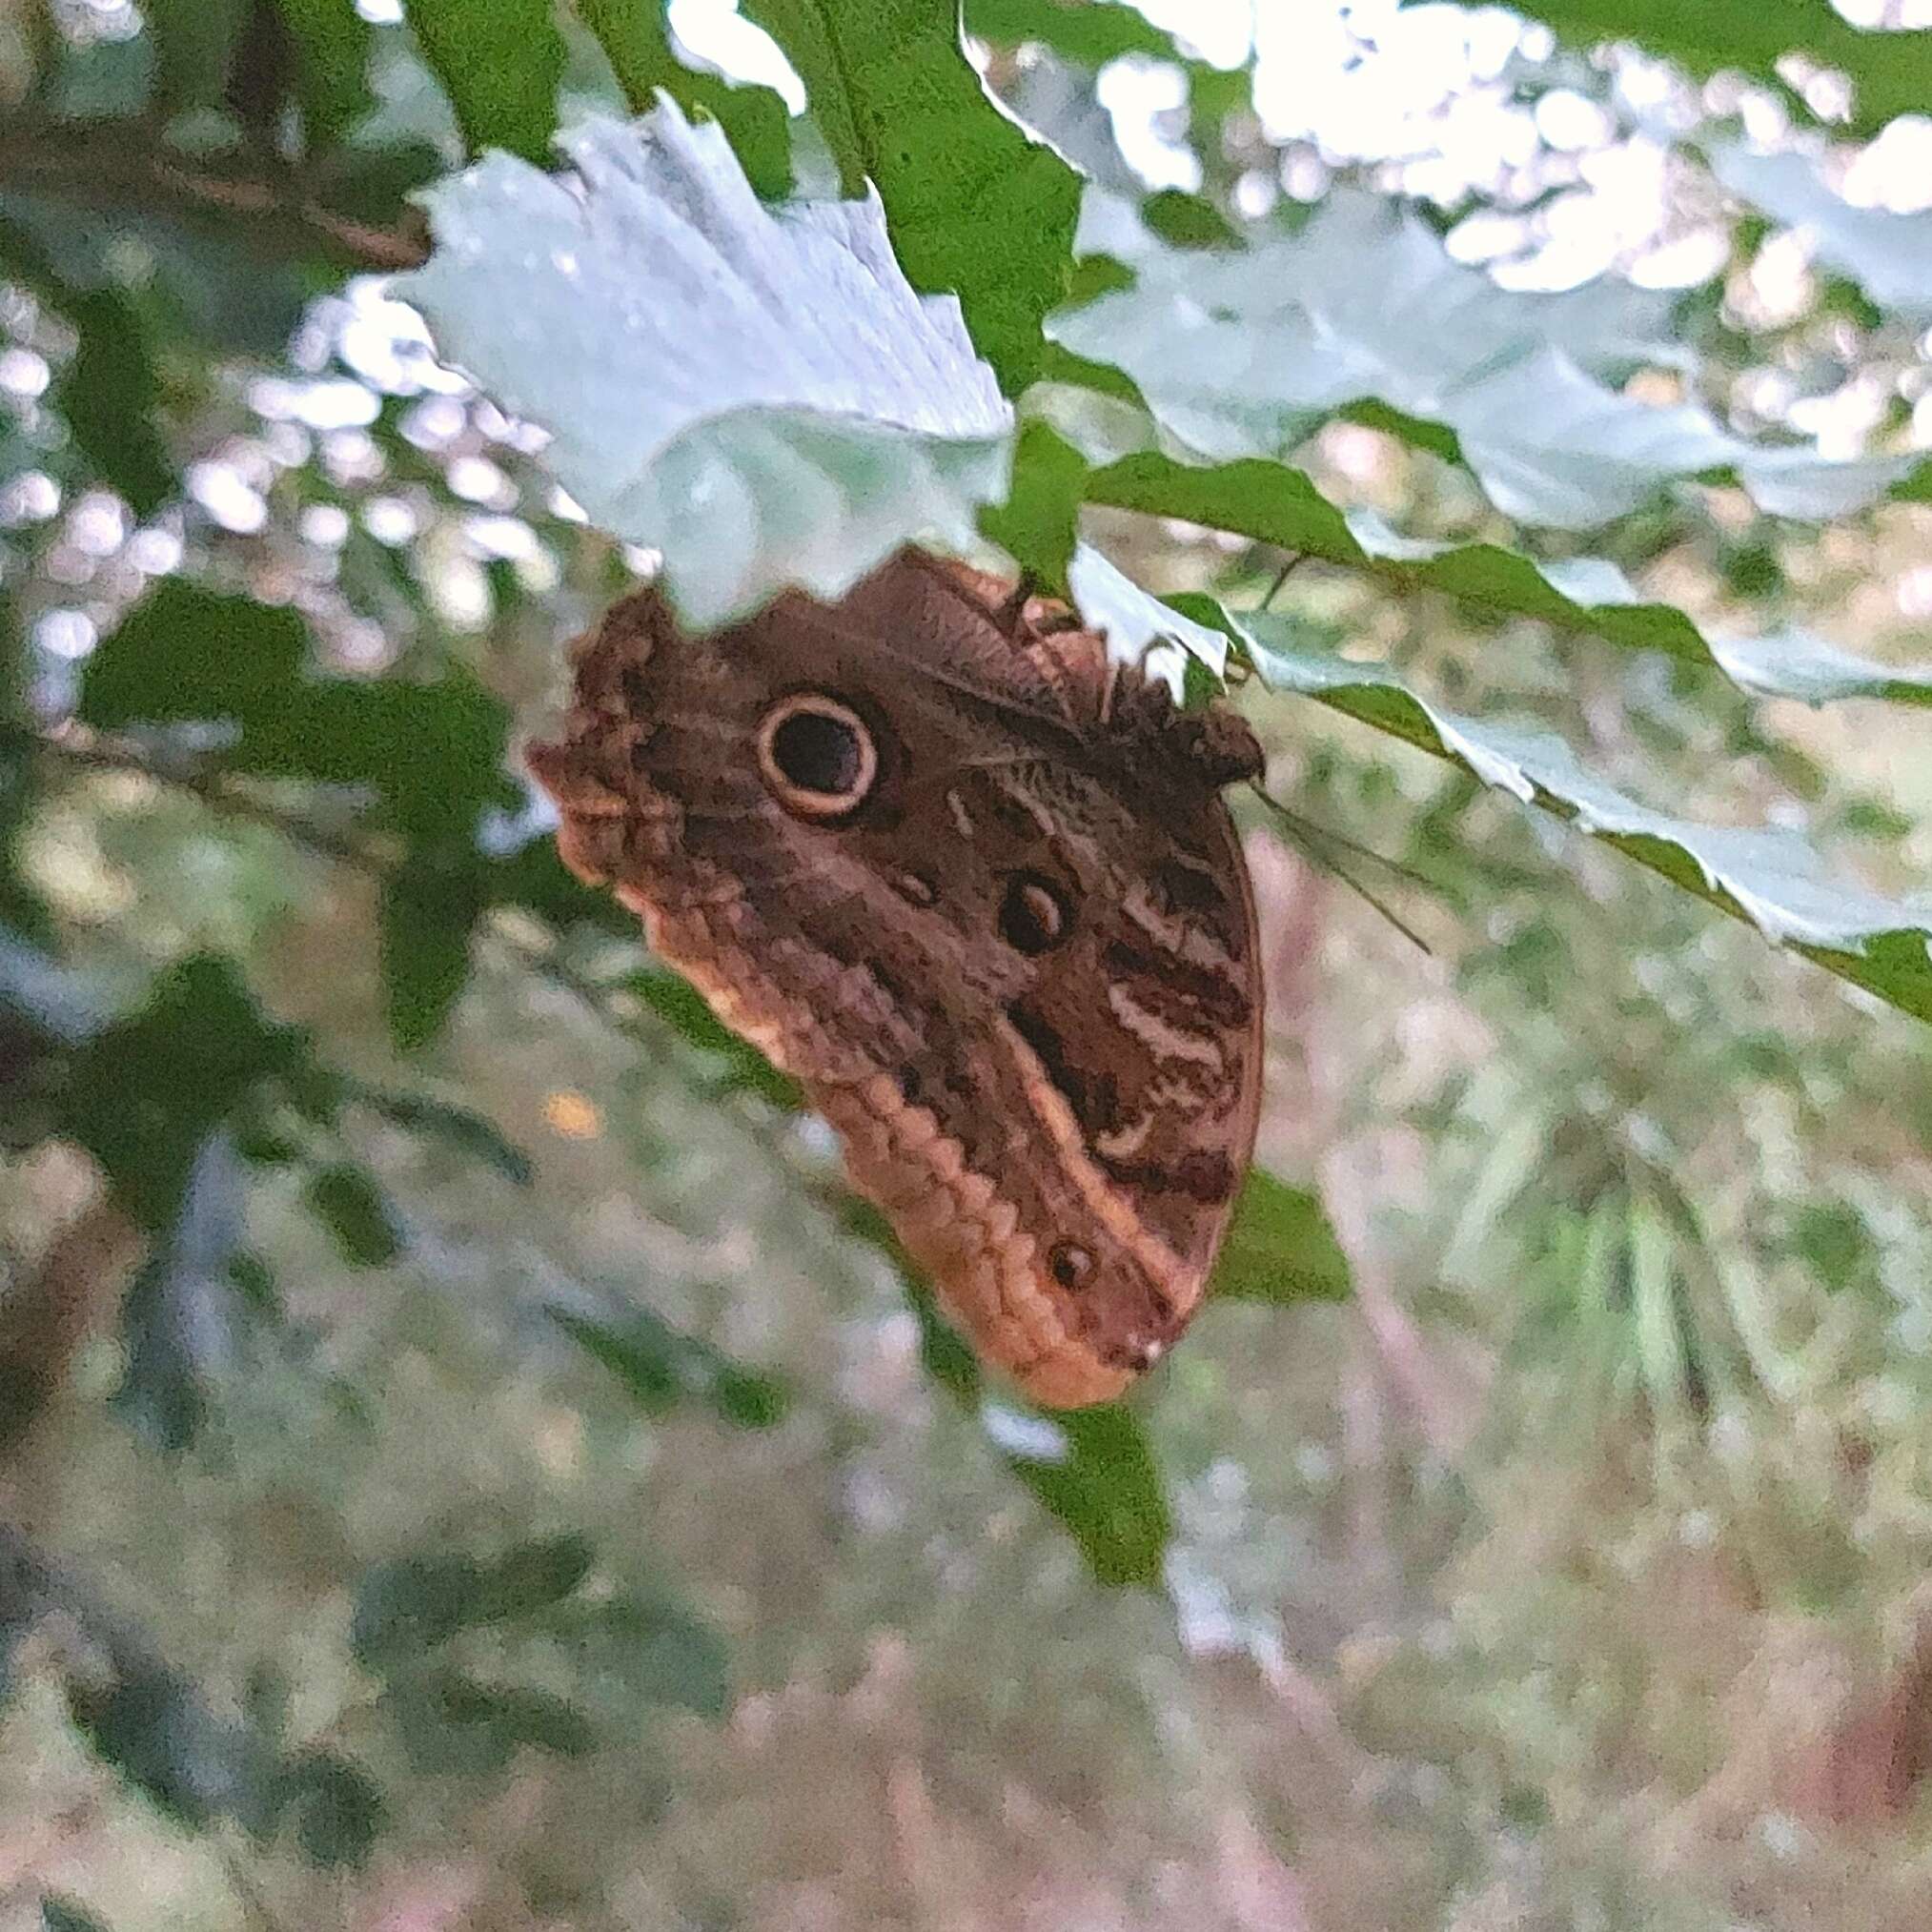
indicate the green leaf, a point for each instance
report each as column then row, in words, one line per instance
column 1094, row 1470
column 195, row 287
column 63, row 1915
column 1892, row 71
column 1279, row 1248
column 19, row 744
column 110, row 393
column 1793, row 663
column 1141, row 628
column 426, row 916
column 1888, row 255
column 1832, row 1240
column 145, row 1720
column 410, row 1605
column 533, row 875
column 660, row 1367
column 338, row 1809
column 254, row 1280
column 1590, row 593
column 637, row 43
column 644, row 1354
column 336, row 42
column 1772, row 878
column 681, row 1007
column 464, row 1130
column 500, row 61
column 1091, row 1469
column 1039, row 524
column 179, row 1316
column 27, row 1592
column 944, row 1352
column 754, row 393
column 1187, row 220
column 147, row 1092
column 415, row 1604
column 377, row 734
column 33, row 1068
column 531, row 1577
column 186, row 653
column 153, row 1727
column 452, row 1723
column 348, row 1202
column 1244, row 353
column 748, row 1400
column 1277, row 504
column 24, row 916
column 194, row 43
column 1091, row 33
column 656, row 1649
column 24, row 1588
column 977, row 207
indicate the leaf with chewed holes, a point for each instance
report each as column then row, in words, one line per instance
column 753, row 391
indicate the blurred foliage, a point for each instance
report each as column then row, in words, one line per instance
column 1890, row 73
column 464, row 1460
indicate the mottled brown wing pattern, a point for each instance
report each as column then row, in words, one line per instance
column 977, row 891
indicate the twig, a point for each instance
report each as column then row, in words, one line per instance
column 220, row 793
column 375, row 248
column 100, row 168
column 1282, row 575
column 254, row 1904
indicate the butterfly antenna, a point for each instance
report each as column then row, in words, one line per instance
column 1318, row 844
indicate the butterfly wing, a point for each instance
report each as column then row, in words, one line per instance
column 979, row 893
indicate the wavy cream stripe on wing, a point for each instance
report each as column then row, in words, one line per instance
column 1170, row 1273
column 1187, row 939
column 1162, row 1038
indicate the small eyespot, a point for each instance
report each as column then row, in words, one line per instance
column 817, row 756
column 915, row 889
column 1069, row 1264
column 1033, row 915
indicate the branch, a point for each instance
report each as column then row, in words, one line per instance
column 47, row 1317
column 110, row 166
column 222, row 793
column 218, row 791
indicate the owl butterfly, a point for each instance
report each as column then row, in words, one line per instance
column 975, row 888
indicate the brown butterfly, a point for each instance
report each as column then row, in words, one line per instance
column 974, row 886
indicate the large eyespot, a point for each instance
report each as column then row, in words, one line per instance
column 1034, row 916
column 817, row 756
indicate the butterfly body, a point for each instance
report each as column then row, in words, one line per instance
column 976, row 889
